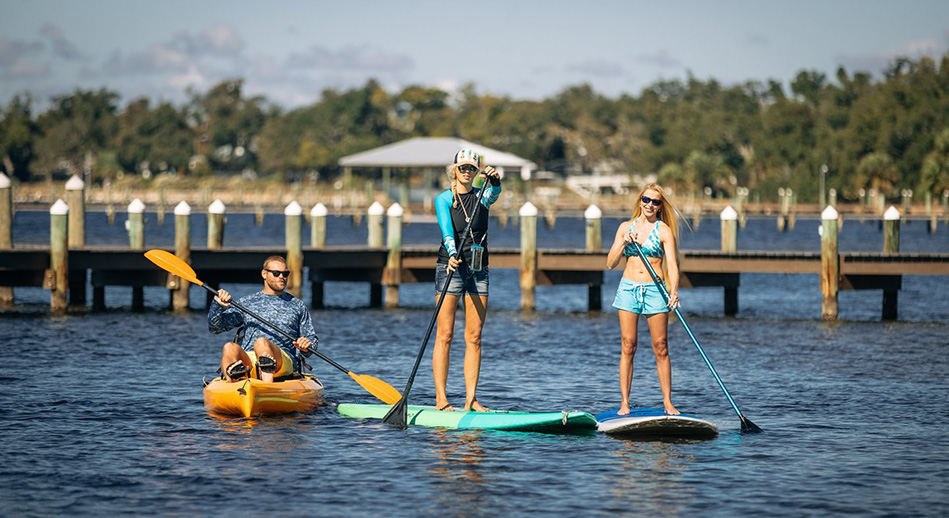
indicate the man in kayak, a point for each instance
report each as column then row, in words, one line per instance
column 274, row 356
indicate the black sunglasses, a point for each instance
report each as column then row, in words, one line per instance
column 655, row 203
column 467, row 168
column 278, row 273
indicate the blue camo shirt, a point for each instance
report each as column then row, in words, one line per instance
column 285, row 311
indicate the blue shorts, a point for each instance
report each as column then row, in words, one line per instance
column 642, row 298
column 461, row 282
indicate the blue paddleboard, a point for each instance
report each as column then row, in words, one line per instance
column 653, row 422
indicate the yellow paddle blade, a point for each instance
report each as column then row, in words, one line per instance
column 382, row 390
column 172, row 264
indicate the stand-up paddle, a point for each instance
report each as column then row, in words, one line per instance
column 746, row 425
column 175, row 266
column 398, row 415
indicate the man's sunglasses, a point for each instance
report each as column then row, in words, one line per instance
column 279, row 273
column 655, row 203
column 467, row 168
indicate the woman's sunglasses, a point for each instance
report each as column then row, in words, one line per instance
column 280, row 273
column 467, row 168
column 655, row 203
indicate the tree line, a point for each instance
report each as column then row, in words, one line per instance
column 887, row 134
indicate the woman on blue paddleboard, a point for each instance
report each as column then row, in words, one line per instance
column 454, row 208
column 654, row 226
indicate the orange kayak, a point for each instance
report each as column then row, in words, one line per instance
column 252, row 397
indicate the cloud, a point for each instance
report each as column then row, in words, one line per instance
column 62, row 47
column 351, row 58
column 597, row 68
column 756, row 39
column 218, row 40
column 159, row 58
column 12, row 51
column 661, row 59
column 880, row 60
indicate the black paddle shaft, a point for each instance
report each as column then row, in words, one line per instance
column 398, row 415
column 281, row 331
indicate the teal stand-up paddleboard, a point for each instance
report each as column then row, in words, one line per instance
column 652, row 422
column 547, row 422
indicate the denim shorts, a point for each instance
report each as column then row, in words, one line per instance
column 642, row 298
column 461, row 282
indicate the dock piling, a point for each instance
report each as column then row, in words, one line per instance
column 392, row 278
column 594, row 242
column 317, row 240
column 829, row 263
column 136, row 228
column 76, row 200
column 374, row 226
column 729, row 219
column 891, row 245
column 528, row 217
column 58, row 275
column 6, row 231
column 294, row 227
column 180, row 289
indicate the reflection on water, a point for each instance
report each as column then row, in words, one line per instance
column 656, row 470
column 455, row 458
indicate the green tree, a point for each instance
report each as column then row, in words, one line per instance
column 17, row 134
column 160, row 137
column 877, row 172
column 935, row 173
column 77, row 124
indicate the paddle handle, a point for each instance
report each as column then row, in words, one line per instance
column 665, row 297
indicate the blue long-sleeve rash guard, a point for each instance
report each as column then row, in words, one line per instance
column 285, row 311
column 451, row 221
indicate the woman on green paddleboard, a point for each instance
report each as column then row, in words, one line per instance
column 454, row 208
column 654, row 226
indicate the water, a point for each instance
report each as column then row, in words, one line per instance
column 102, row 413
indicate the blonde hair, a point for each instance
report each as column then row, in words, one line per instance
column 668, row 214
column 452, row 171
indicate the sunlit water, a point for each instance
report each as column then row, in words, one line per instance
column 102, row 413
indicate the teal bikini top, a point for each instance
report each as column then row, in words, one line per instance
column 651, row 247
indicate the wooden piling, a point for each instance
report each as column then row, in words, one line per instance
column 392, row 277
column 528, row 217
column 318, row 226
column 374, row 226
column 180, row 288
column 891, row 245
column 6, row 231
column 76, row 200
column 594, row 243
column 160, row 211
column 216, row 223
column 109, row 204
column 294, row 238
column 729, row 222
column 136, row 228
column 729, row 219
column 58, row 274
column 784, row 199
column 829, row 264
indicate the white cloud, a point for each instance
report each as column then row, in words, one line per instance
column 351, row 58
column 661, row 59
column 881, row 59
column 62, row 47
column 597, row 68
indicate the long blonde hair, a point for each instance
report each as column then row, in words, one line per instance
column 668, row 212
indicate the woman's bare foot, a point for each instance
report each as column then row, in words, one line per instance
column 477, row 407
column 671, row 410
column 623, row 409
column 446, row 406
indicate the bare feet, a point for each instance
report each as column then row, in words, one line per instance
column 623, row 409
column 477, row 407
column 446, row 406
column 671, row 410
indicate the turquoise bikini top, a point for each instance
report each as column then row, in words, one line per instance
column 651, row 247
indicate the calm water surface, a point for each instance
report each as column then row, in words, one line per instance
column 102, row 413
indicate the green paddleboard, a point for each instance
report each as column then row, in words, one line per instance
column 547, row 422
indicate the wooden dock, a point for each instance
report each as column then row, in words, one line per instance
column 124, row 267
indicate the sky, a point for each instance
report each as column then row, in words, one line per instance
column 290, row 51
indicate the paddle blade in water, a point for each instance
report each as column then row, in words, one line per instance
column 375, row 386
column 748, row 427
column 398, row 415
column 172, row 264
